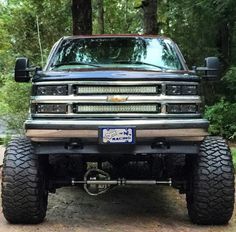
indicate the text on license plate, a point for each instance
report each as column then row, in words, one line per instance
column 117, row 135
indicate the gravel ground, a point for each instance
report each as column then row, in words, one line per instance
column 124, row 209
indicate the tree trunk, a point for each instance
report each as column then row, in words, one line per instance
column 224, row 42
column 82, row 17
column 150, row 16
column 100, row 17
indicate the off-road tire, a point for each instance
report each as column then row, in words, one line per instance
column 24, row 191
column 210, row 193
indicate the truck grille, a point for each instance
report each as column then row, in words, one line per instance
column 114, row 99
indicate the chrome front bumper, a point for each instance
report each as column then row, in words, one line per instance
column 187, row 129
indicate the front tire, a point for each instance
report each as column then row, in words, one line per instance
column 210, row 193
column 24, row 191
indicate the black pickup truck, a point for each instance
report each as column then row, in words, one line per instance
column 111, row 111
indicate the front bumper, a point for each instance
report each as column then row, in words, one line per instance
column 186, row 129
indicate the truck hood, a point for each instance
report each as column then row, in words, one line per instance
column 128, row 75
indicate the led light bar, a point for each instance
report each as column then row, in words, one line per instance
column 117, row 89
column 125, row 108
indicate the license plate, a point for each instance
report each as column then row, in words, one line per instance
column 124, row 135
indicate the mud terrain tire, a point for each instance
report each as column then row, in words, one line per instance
column 24, row 194
column 210, row 193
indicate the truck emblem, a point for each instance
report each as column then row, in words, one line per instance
column 117, row 99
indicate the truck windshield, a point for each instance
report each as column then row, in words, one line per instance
column 117, row 52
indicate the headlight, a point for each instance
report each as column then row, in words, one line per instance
column 181, row 90
column 182, row 108
column 52, row 90
column 173, row 90
column 51, row 108
column 190, row 90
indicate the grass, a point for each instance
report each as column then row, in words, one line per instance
column 5, row 140
column 233, row 150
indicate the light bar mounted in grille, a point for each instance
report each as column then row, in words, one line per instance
column 106, row 90
column 117, row 108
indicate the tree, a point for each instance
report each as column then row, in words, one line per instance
column 122, row 17
column 150, row 16
column 226, row 11
column 101, row 28
column 82, row 17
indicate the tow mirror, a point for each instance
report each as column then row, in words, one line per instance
column 22, row 72
column 212, row 68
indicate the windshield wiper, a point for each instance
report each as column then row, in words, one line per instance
column 75, row 63
column 137, row 62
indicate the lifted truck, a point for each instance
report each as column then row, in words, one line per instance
column 117, row 110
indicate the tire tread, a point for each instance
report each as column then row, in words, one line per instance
column 211, row 199
column 22, row 197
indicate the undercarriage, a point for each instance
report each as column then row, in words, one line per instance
column 97, row 175
column 100, row 167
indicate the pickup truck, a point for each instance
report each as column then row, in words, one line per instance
column 116, row 110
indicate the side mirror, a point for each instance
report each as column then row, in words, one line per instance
column 214, row 66
column 22, row 72
column 211, row 71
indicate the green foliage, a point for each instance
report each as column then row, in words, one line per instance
column 196, row 25
column 187, row 22
column 5, row 140
column 120, row 17
column 230, row 84
column 222, row 115
column 18, row 32
column 5, row 44
column 222, row 119
column 14, row 103
column 20, row 28
column 233, row 150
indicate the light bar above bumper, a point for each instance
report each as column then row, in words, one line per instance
column 89, row 128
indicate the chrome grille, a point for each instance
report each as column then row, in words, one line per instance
column 115, row 99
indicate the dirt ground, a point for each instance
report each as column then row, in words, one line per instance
column 125, row 209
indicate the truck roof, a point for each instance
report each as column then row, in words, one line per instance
column 115, row 36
